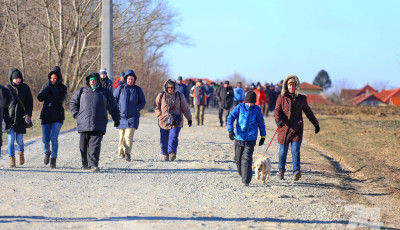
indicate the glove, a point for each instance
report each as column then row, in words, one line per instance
column 190, row 123
column 116, row 123
column 261, row 141
column 279, row 124
column 232, row 135
column 317, row 129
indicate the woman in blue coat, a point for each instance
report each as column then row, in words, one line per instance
column 131, row 100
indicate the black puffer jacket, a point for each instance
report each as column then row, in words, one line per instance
column 225, row 97
column 53, row 97
column 5, row 99
column 89, row 107
column 13, row 116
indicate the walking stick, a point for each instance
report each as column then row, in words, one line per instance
column 271, row 140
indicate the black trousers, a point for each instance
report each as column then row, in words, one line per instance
column 90, row 146
column 221, row 112
column 244, row 159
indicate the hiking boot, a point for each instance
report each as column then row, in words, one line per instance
column 53, row 163
column 281, row 175
column 128, row 157
column 85, row 167
column 198, row 122
column 166, row 157
column 12, row 161
column 245, row 184
column 173, row 156
column 21, row 159
column 297, row 175
column 201, row 122
column 47, row 158
column 94, row 168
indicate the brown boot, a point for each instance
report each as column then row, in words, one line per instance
column 281, row 175
column 297, row 175
column 12, row 161
column 21, row 158
column 166, row 157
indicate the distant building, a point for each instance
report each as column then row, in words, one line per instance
column 393, row 98
column 367, row 99
column 314, row 94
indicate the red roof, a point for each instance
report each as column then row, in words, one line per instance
column 384, row 93
column 395, row 96
column 348, row 93
column 308, row 86
column 364, row 97
column 365, row 88
column 318, row 99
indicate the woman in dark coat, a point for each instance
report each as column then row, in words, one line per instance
column 17, row 114
column 289, row 109
column 52, row 94
column 131, row 100
column 5, row 99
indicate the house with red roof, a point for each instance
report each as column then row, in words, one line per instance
column 367, row 99
column 314, row 94
column 393, row 98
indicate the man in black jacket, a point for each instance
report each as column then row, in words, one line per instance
column 104, row 80
column 225, row 101
column 89, row 106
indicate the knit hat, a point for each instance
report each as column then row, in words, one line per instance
column 92, row 78
column 103, row 71
column 250, row 97
column 291, row 80
column 16, row 74
column 122, row 74
column 180, row 78
column 226, row 82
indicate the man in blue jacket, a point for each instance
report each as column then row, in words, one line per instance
column 239, row 94
column 131, row 100
column 89, row 107
column 249, row 121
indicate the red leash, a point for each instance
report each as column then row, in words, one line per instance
column 271, row 140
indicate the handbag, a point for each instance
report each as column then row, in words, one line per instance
column 28, row 120
column 174, row 119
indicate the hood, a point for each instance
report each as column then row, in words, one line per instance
column 97, row 75
column 285, row 87
column 169, row 81
column 16, row 72
column 57, row 71
column 130, row 72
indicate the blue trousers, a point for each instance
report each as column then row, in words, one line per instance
column 169, row 140
column 283, row 150
column 12, row 137
column 50, row 132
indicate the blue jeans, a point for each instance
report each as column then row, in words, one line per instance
column 169, row 140
column 50, row 132
column 12, row 136
column 283, row 150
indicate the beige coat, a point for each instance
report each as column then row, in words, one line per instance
column 177, row 104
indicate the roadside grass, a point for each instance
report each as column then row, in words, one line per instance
column 368, row 146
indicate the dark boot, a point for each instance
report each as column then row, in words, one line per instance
column 53, row 163
column 297, row 175
column 21, row 158
column 47, row 158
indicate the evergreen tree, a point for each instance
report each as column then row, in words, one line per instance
column 322, row 80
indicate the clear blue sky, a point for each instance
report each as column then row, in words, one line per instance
column 266, row 40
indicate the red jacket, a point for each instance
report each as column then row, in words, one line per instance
column 261, row 98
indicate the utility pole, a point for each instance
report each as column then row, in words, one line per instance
column 107, row 37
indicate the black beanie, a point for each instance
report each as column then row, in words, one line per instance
column 251, row 97
column 16, row 74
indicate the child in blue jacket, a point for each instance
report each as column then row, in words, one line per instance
column 249, row 120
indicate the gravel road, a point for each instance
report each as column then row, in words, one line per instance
column 200, row 190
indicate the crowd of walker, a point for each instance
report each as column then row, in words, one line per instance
column 91, row 104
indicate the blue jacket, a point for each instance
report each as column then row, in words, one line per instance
column 130, row 101
column 249, row 120
column 238, row 93
column 89, row 107
column 183, row 89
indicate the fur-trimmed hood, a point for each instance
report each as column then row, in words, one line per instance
column 285, row 85
column 167, row 82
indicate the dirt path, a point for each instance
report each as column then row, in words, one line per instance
column 201, row 189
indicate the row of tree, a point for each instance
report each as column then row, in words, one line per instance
column 38, row 34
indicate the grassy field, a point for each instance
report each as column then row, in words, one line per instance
column 364, row 140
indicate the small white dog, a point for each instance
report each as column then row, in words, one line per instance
column 263, row 167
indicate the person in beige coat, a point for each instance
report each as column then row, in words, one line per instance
column 170, row 105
